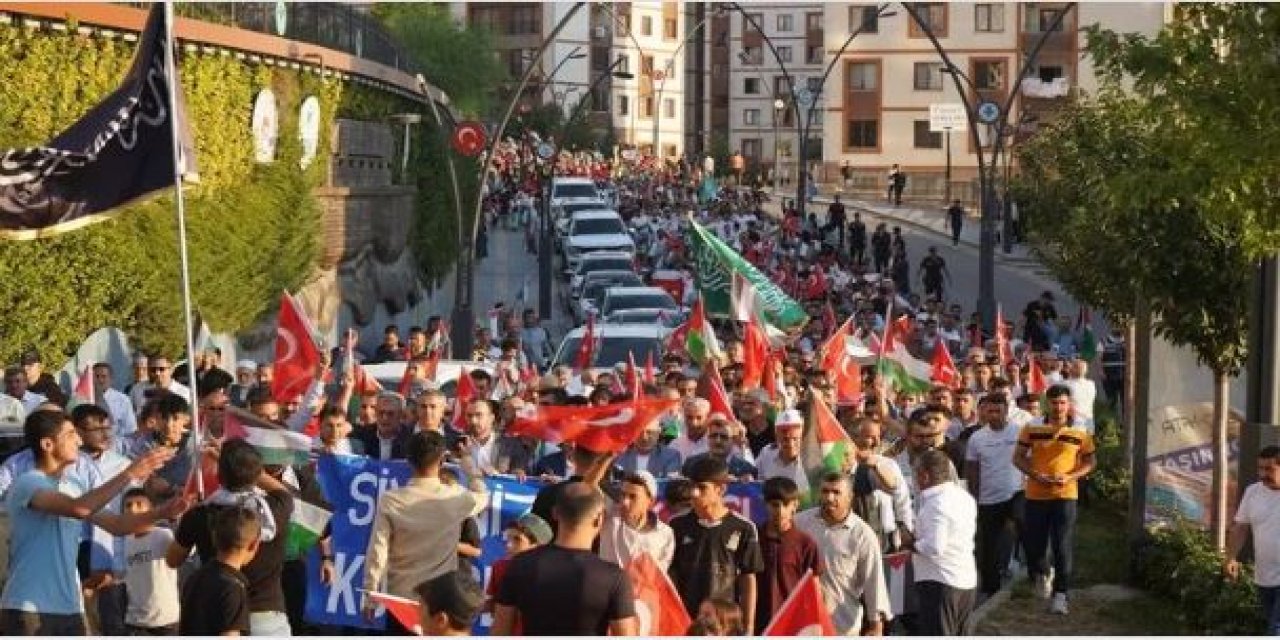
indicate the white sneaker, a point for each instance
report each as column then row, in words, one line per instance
column 1044, row 585
column 1059, row 605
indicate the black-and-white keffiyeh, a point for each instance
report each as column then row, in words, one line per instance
column 255, row 499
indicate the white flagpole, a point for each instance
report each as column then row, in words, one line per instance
column 171, row 70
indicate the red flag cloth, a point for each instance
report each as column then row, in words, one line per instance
column 462, row 397
column 406, row 380
column 658, row 606
column 1002, row 339
column 833, row 350
column 296, row 354
column 847, row 376
column 943, row 369
column 829, row 319
column 582, row 361
column 405, row 611
column 898, row 331
column 603, row 429
column 804, row 613
column 631, row 381
column 712, row 388
column 650, row 375
column 365, row 384
column 84, row 386
column 770, row 381
column 1036, row 384
column 755, row 355
column 675, row 341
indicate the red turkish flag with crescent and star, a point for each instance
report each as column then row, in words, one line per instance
column 804, row 613
column 659, row 609
column 943, row 368
column 296, row 353
column 463, row 394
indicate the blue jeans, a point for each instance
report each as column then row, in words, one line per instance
column 1270, row 599
column 1050, row 523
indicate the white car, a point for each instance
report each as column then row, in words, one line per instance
column 563, row 211
column 598, row 261
column 613, row 343
column 624, row 298
column 594, row 288
column 600, row 230
column 389, row 374
column 566, row 187
column 660, row 317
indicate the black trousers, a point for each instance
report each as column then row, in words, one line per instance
column 1051, row 523
column 857, row 251
column 944, row 610
column 999, row 528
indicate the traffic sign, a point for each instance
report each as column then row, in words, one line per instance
column 545, row 151
column 988, row 112
column 946, row 116
column 805, row 97
column 468, row 138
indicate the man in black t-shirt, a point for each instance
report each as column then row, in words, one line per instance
column 244, row 481
column 564, row 588
column 717, row 551
column 835, row 220
column 215, row 599
column 857, row 239
column 933, row 269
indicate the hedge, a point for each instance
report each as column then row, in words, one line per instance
column 252, row 229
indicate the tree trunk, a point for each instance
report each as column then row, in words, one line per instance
column 1221, row 465
column 1129, row 397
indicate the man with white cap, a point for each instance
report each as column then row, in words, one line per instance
column 631, row 527
column 246, row 372
column 782, row 458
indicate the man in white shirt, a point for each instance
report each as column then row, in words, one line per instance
column 694, row 439
column 1259, row 514
column 997, row 486
column 631, row 527
column 1083, row 390
column 946, row 575
column 160, row 374
column 15, row 385
column 782, row 458
column 123, row 420
column 854, row 579
column 480, row 418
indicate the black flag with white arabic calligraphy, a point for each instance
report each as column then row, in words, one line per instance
column 119, row 151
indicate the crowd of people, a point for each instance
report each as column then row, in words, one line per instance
column 972, row 479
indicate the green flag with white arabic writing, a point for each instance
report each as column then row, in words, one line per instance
column 714, row 265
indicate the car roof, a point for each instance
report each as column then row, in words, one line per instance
column 572, row 180
column 607, row 274
column 622, row 331
column 608, row 254
column 596, row 214
column 638, row 291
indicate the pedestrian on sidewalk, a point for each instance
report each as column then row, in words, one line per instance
column 955, row 214
column 857, row 239
column 1259, row 514
column 897, row 184
column 835, row 220
column 846, row 174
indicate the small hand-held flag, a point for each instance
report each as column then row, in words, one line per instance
column 296, row 353
column 658, row 606
column 943, row 369
column 405, row 611
column 804, row 613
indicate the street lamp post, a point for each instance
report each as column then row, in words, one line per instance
column 778, row 107
column 986, row 169
column 719, row 11
column 453, row 174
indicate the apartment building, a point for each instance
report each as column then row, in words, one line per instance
column 644, row 40
column 877, row 112
column 775, row 50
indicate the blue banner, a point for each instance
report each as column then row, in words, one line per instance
column 352, row 486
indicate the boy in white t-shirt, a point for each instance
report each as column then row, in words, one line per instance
column 151, row 585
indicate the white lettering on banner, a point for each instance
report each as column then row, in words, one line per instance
column 375, row 486
column 344, row 587
column 498, row 498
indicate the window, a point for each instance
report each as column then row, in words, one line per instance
column 813, row 21
column 863, row 134
column 668, row 108
column 988, row 18
column 867, row 17
column 717, row 69
column 646, row 66
column 624, row 25
column 670, row 29
column 669, row 150
column 926, row 139
column 600, row 99
column 752, row 55
column 515, row 62
column 862, row 76
column 988, row 74
column 1039, row 19
column 646, row 107
column 813, row 55
column 816, row 121
column 814, row 85
column 785, row 22
column 751, row 116
column 599, row 59
column 524, row 20
column 784, row 54
column 1049, row 73
column 625, row 65
column 646, row 25
column 784, row 148
column 928, row 76
column 780, row 86
column 751, row 148
column 934, row 17
column 624, row 105
column 750, row 21
column 751, row 86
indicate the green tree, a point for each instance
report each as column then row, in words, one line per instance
column 459, row 60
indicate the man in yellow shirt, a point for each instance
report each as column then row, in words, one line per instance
column 1054, row 455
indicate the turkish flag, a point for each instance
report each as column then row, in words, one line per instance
column 659, row 609
column 365, row 384
column 755, row 355
column 943, row 368
column 712, row 388
column 405, row 611
column 847, row 376
column 582, row 360
column 1036, row 384
column 603, row 429
column 1002, row 340
column 770, row 381
column 462, row 397
column 804, row 613
column 296, row 354
column 675, row 341
column 650, row 376
column 631, row 381
column 406, row 380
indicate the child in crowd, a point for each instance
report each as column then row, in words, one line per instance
column 215, row 600
column 152, row 586
column 527, row 532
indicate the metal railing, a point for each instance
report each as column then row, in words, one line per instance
column 334, row 25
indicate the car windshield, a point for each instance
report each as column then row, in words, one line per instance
column 596, row 289
column 576, row 191
column 604, row 264
column 612, row 350
column 574, row 207
column 642, row 301
column 596, row 226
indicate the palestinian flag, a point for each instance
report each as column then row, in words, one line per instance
column 716, row 264
column 278, row 445
column 904, row 371
column 824, row 447
column 305, row 528
column 406, row 611
column 700, row 339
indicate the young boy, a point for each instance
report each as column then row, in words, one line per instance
column 215, row 599
column 449, row 604
column 527, row 532
column 788, row 552
column 152, row 586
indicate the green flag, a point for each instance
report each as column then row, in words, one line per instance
column 715, row 264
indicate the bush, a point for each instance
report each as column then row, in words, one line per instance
column 1111, row 478
column 1179, row 562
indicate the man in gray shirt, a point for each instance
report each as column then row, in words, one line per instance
column 535, row 340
